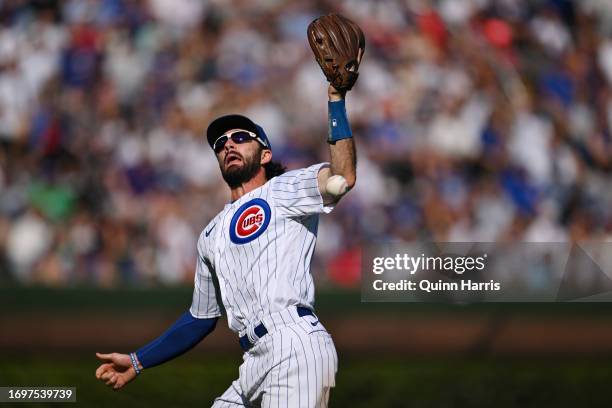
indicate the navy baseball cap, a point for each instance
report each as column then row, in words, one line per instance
column 228, row 122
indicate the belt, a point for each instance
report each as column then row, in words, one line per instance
column 260, row 330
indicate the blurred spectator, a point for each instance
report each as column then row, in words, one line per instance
column 476, row 120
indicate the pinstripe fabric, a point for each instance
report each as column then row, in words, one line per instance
column 262, row 278
column 271, row 272
column 294, row 366
column 204, row 303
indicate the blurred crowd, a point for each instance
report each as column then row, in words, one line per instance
column 475, row 120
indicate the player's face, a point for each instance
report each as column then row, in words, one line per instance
column 239, row 161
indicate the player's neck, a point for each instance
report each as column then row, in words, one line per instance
column 248, row 186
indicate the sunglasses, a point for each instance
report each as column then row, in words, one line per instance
column 238, row 136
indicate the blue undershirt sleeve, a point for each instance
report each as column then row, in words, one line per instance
column 182, row 336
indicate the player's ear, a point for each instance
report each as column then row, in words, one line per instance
column 266, row 156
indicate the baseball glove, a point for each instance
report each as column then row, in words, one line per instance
column 337, row 44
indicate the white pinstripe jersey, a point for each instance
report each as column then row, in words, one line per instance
column 260, row 247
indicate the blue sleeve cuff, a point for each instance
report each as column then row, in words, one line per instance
column 182, row 336
column 339, row 127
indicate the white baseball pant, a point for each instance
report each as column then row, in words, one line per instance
column 294, row 365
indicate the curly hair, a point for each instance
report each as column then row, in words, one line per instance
column 273, row 169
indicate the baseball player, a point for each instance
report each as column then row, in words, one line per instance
column 254, row 258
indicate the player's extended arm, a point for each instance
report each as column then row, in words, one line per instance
column 342, row 151
column 182, row 336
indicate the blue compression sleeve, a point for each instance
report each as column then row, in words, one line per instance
column 183, row 335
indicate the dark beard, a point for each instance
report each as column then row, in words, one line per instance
column 236, row 176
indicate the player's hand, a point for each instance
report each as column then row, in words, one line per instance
column 334, row 94
column 117, row 370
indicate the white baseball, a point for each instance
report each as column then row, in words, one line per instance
column 336, row 185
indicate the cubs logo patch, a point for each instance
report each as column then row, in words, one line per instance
column 249, row 221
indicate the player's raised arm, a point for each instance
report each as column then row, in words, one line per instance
column 338, row 45
column 340, row 177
